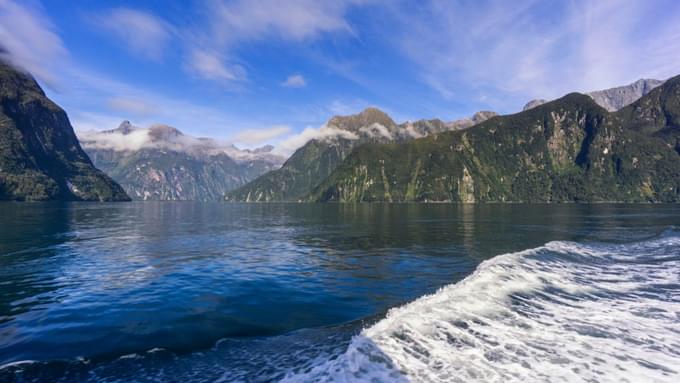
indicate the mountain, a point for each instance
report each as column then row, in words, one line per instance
column 567, row 150
column 615, row 98
column 40, row 157
column 534, row 103
column 315, row 161
column 162, row 163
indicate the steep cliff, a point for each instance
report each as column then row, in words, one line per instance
column 40, row 157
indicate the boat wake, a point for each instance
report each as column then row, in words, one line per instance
column 561, row 312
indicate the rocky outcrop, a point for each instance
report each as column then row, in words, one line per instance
column 616, row 98
column 534, row 103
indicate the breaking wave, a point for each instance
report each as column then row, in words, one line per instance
column 561, row 312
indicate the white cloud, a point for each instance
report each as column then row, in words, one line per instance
column 98, row 102
column 231, row 24
column 83, row 121
column 294, row 81
column 143, row 33
column 133, row 141
column 411, row 131
column 210, row 66
column 159, row 136
column 28, row 40
column 90, row 88
column 290, row 144
column 376, row 130
column 240, row 20
column 511, row 51
column 259, row 136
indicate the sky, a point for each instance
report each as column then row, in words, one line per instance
column 271, row 71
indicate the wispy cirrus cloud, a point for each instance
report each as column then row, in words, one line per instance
column 503, row 52
column 294, row 81
column 28, row 39
column 211, row 66
column 143, row 33
column 233, row 22
column 259, row 136
column 95, row 101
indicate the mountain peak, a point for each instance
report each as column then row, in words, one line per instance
column 372, row 111
column 161, row 132
column 534, row 103
column 483, row 115
column 613, row 99
column 368, row 116
column 15, row 82
column 616, row 98
column 263, row 149
column 125, row 127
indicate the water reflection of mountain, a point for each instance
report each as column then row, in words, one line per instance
column 30, row 256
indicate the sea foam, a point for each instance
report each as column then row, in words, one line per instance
column 561, row 312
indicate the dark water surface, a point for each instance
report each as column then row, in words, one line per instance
column 210, row 291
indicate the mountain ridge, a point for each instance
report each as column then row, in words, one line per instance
column 315, row 160
column 568, row 150
column 613, row 99
column 40, row 156
column 163, row 163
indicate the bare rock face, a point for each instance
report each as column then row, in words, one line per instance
column 476, row 118
column 162, row 163
column 534, row 103
column 482, row 116
column 616, row 98
column 367, row 117
column 613, row 99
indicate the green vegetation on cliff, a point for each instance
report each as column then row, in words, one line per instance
column 568, row 150
column 318, row 158
column 40, row 157
column 313, row 162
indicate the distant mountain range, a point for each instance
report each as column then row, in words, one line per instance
column 40, row 157
column 318, row 158
column 567, row 150
column 615, row 98
column 162, row 163
column 620, row 144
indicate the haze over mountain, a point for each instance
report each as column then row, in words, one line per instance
column 162, row 163
column 616, row 98
column 40, row 157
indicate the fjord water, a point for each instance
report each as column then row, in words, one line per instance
column 301, row 292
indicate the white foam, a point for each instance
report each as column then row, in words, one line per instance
column 562, row 312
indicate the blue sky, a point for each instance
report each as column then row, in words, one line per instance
column 263, row 71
